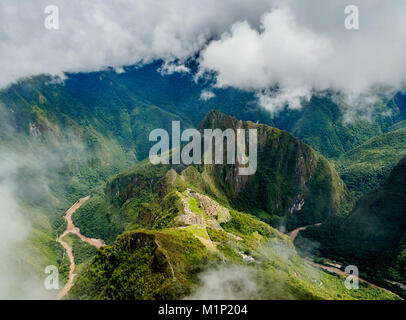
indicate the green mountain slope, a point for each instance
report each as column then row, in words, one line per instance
column 372, row 236
column 364, row 168
column 181, row 225
column 58, row 141
column 322, row 123
column 293, row 184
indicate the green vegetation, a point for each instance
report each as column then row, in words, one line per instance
column 167, row 263
column 323, row 123
column 366, row 167
column 65, row 140
column 372, row 236
column 61, row 142
column 177, row 234
column 293, row 185
column 143, row 265
column 291, row 178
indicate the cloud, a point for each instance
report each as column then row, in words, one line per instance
column 230, row 282
column 280, row 55
column 31, row 190
column 283, row 50
column 206, row 95
column 301, row 49
column 173, row 67
column 256, row 279
column 17, row 279
column 97, row 34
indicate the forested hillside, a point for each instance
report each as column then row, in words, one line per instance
column 372, row 236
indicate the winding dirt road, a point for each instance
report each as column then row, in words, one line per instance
column 293, row 234
column 71, row 228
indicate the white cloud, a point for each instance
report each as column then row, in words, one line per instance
column 207, row 94
column 298, row 49
column 97, row 34
column 280, row 53
column 226, row 283
column 275, row 101
column 17, row 280
column 261, row 45
column 172, row 67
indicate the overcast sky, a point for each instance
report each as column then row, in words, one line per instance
column 294, row 44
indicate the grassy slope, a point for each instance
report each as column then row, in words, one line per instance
column 321, row 124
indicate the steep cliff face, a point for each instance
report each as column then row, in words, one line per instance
column 293, row 185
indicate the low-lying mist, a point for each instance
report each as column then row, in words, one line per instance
column 33, row 171
column 268, row 275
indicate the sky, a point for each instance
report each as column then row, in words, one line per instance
column 282, row 50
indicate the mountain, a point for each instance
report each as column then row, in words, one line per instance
column 332, row 127
column 367, row 166
column 182, row 243
column 372, row 236
column 182, row 232
column 322, row 122
column 293, row 184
